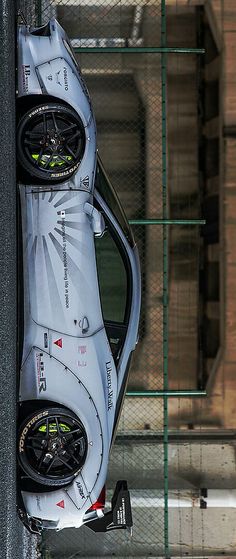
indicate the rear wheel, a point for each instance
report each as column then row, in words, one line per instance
column 50, row 142
column 52, row 446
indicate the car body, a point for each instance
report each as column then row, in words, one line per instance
column 81, row 285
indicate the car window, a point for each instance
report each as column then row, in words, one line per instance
column 107, row 191
column 114, row 284
column 112, row 278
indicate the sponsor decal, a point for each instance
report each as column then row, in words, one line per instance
column 109, row 385
column 41, row 378
column 66, row 81
column 65, row 173
column 82, row 363
column 58, row 342
column 84, row 183
column 45, row 338
column 61, row 504
column 80, row 488
column 25, row 77
column 27, row 427
column 58, row 78
column 82, row 349
column 120, row 513
column 65, row 263
column 35, row 112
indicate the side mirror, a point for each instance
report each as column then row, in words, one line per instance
column 97, row 219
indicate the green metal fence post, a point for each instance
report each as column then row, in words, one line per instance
column 165, row 273
column 167, row 393
column 136, row 50
column 167, row 221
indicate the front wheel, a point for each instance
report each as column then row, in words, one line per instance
column 50, row 142
column 52, row 446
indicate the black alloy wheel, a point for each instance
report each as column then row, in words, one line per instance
column 52, row 446
column 50, row 142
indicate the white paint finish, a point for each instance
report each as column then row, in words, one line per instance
column 60, row 254
column 60, row 80
column 61, row 290
column 46, row 506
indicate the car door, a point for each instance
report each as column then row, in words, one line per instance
column 59, row 262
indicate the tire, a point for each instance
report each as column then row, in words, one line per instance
column 52, row 446
column 50, row 142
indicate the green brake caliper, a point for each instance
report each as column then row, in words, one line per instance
column 56, row 160
column 53, row 428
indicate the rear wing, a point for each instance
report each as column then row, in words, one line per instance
column 120, row 516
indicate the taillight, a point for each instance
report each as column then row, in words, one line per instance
column 100, row 503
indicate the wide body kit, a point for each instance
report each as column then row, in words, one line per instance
column 66, row 356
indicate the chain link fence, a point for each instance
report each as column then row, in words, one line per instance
column 121, row 49
column 125, row 89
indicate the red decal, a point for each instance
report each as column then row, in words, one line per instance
column 58, row 342
column 61, row 504
column 82, row 349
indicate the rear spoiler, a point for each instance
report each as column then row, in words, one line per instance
column 120, row 516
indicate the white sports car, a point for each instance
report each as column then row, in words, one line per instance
column 81, row 296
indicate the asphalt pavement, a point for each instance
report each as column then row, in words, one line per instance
column 14, row 542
